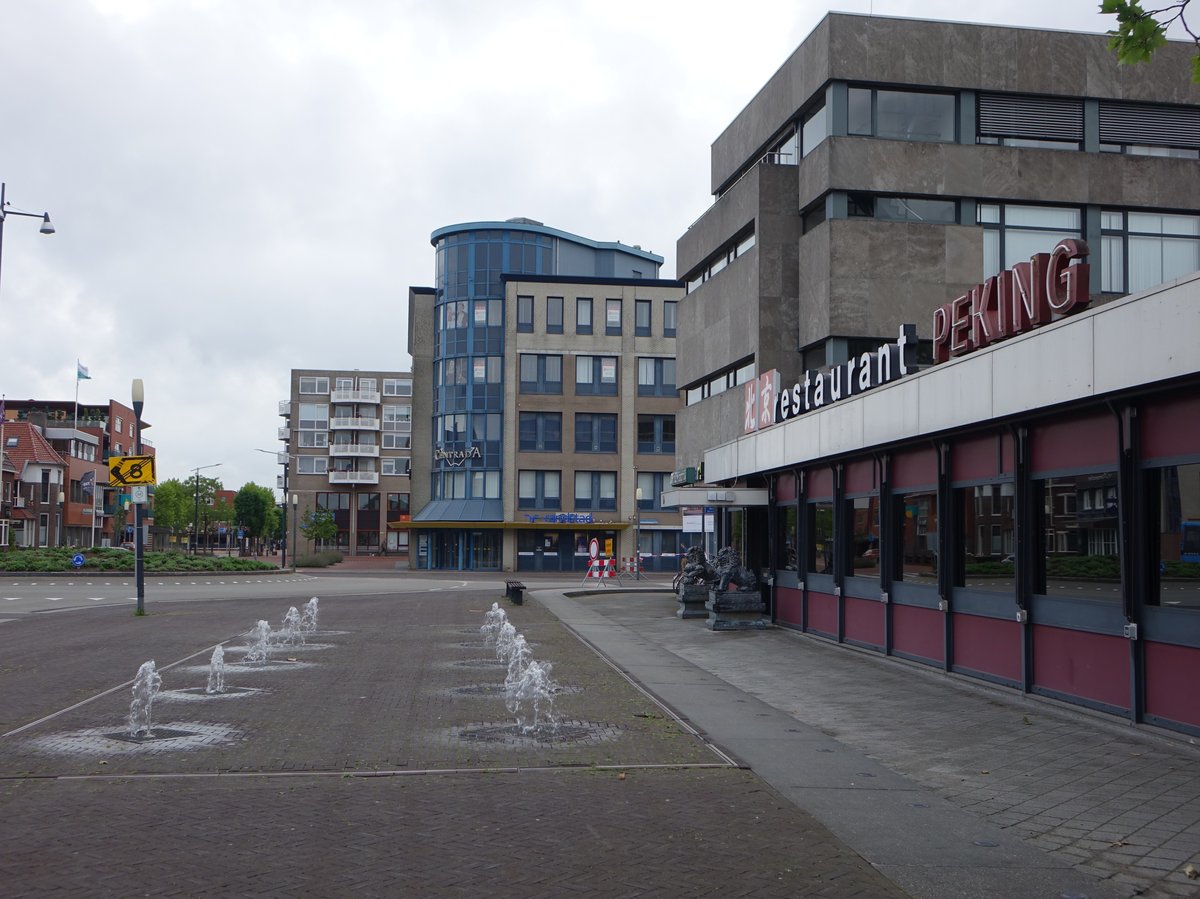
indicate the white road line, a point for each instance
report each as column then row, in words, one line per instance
column 95, row 598
column 54, row 598
column 12, row 598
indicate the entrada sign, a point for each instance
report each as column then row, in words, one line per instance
column 456, row 457
column 1027, row 296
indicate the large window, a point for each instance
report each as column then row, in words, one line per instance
column 987, row 538
column 554, row 315
column 863, row 558
column 1013, row 234
column 915, row 553
column 311, row 385
column 641, row 318
column 903, row 209
column 539, row 489
column 400, row 465
column 787, row 537
column 396, row 426
column 540, row 432
column 312, row 464
column 595, row 491
column 902, row 115
column 1174, row 514
column 596, row 375
column 595, row 432
column 583, row 315
column 1078, row 554
column 540, row 374
column 656, row 434
column 612, row 318
column 652, row 484
column 312, row 425
column 656, row 377
column 821, row 537
column 1144, row 249
column 397, row 386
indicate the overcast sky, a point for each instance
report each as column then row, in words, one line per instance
column 243, row 187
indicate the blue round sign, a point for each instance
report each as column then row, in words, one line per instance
column 77, row 560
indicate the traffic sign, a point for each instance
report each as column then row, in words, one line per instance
column 77, row 560
column 125, row 471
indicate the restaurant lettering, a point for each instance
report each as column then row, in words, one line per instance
column 456, row 457
column 1030, row 294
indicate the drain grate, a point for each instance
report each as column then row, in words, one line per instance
column 567, row 733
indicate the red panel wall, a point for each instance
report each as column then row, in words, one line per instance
column 1090, row 666
column 1075, row 442
column 787, row 605
column 785, row 487
column 985, row 456
column 860, row 476
column 1171, row 682
column 914, row 469
column 864, row 621
column 822, row 613
column 819, row 483
column 1171, row 427
column 989, row 645
column 918, row 632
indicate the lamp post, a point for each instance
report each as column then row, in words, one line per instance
column 62, row 518
column 196, row 520
column 284, row 459
column 139, row 568
column 46, row 228
column 637, row 534
column 295, row 509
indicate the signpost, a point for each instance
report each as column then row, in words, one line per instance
column 127, row 471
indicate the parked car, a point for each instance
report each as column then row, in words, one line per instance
column 132, row 547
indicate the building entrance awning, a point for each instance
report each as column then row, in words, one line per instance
column 675, row 497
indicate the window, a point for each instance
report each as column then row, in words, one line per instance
column 718, row 383
column 670, row 318
column 787, row 537
column 652, row 484
column 540, row 374
column 334, row 502
column 394, row 465
column 656, row 434
column 720, row 260
column 120, row 424
column 1078, row 554
column 314, row 385
column 1173, row 494
column 902, row 115
column 554, row 315
column 312, row 464
column 820, row 537
column 397, row 505
column 1150, row 130
column 612, row 318
column 540, row 432
column 539, row 490
column 595, row 433
column 915, row 551
column 985, row 541
column 902, row 209
column 396, row 426
column 656, row 377
column 1050, row 123
column 641, row 318
column 814, row 130
column 595, row 490
column 397, row 386
column 368, row 502
column 596, row 375
column 1013, row 234
column 863, row 515
column 1144, row 249
column 583, row 315
column 344, row 384
column 525, row 313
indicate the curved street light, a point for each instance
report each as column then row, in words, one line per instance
column 279, row 455
column 5, row 212
column 196, row 520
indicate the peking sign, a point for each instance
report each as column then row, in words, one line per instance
column 1029, row 295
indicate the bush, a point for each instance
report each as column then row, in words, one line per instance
column 120, row 560
column 322, row 559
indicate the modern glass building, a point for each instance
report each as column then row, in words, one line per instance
column 469, row 372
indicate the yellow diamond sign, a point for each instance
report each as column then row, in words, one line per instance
column 126, row 471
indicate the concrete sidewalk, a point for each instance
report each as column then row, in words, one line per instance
column 948, row 787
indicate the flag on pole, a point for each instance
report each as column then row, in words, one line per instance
column 81, row 372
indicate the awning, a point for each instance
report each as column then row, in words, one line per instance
column 471, row 511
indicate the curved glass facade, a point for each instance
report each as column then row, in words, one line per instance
column 468, row 356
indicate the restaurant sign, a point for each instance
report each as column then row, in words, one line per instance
column 456, row 457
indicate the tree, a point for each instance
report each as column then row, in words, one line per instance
column 1140, row 33
column 318, row 525
column 254, row 509
column 173, row 505
column 203, row 491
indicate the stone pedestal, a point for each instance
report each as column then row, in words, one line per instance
column 692, row 600
column 732, row 611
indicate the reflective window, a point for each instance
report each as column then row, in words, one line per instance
column 902, row 115
column 540, row 374
column 786, row 537
column 595, row 432
column 540, row 432
column 986, row 540
column 670, row 318
column 656, row 377
column 1078, row 553
column 641, row 318
column 656, row 434
column 1142, row 250
column 612, row 317
column 863, row 558
column 820, row 537
column 916, row 535
column 583, row 315
column 525, row 314
column 1174, row 493
column 554, row 315
column 1013, row 234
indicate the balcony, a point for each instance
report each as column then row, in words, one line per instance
column 285, row 408
column 285, row 434
column 358, row 450
column 353, row 424
column 354, row 396
column 353, row 477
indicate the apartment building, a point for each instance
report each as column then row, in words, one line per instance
column 545, row 400
column 348, row 451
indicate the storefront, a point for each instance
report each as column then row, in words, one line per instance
column 1019, row 512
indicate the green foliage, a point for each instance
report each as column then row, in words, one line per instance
column 318, row 525
column 1140, row 33
column 111, row 559
column 319, row 560
column 254, row 508
column 173, row 505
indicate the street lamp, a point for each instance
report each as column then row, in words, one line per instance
column 62, row 518
column 196, row 521
column 637, row 535
column 295, row 508
column 139, row 568
column 46, row 228
column 284, row 459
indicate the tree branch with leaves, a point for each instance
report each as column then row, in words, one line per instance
column 1140, row 32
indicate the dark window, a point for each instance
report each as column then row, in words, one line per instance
column 1078, row 551
column 540, row 374
column 820, row 537
column 595, row 433
column 786, row 538
column 656, row 434
column 986, row 541
column 902, row 115
column 641, row 318
column 915, row 551
column 540, row 432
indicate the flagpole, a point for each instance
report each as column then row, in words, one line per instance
column 76, row 393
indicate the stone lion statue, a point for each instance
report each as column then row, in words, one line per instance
column 731, row 571
column 696, row 569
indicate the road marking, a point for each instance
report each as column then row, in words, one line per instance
column 12, row 598
column 54, row 598
column 95, row 598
